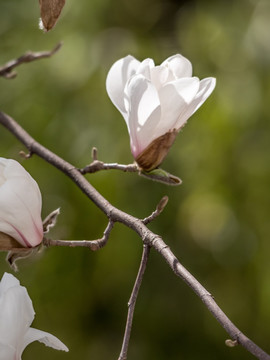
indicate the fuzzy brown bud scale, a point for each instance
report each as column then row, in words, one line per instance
column 155, row 152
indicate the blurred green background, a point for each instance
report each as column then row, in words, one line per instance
column 216, row 222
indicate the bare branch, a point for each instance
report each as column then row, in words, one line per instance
column 160, row 207
column 154, row 175
column 6, row 70
column 97, row 165
column 132, row 301
column 139, row 227
column 93, row 245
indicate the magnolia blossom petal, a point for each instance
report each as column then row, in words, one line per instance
column 16, row 316
column 159, row 76
column 117, row 78
column 145, row 68
column 16, row 313
column 144, row 111
column 206, row 87
column 179, row 65
column 8, row 352
column 20, row 211
column 18, row 218
column 7, row 282
column 43, row 337
column 174, row 98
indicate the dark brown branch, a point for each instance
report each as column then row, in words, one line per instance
column 132, row 301
column 138, row 226
column 6, row 70
column 93, row 245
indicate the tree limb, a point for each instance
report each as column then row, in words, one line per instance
column 93, row 245
column 160, row 207
column 6, row 70
column 97, row 165
column 132, row 301
column 139, row 227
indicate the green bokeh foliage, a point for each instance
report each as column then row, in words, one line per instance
column 216, row 222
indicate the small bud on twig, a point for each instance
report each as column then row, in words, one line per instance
column 94, row 154
column 24, row 155
column 163, row 202
column 231, row 343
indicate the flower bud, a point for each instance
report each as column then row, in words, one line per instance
column 156, row 102
column 20, row 204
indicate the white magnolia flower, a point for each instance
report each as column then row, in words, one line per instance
column 155, row 101
column 20, row 204
column 16, row 316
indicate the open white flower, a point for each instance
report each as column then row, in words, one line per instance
column 16, row 316
column 155, row 101
column 20, row 204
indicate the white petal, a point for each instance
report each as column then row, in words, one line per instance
column 207, row 85
column 144, row 112
column 175, row 98
column 43, row 337
column 117, row 78
column 179, row 65
column 8, row 352
column 145, row 68
column 159, row 76
column 8, row 281
column 16, row 315
column 20, row 211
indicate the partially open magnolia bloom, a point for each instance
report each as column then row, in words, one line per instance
column 155, row 101
column 20, row 204
column 16, row 316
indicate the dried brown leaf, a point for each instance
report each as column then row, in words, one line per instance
column 50, row 11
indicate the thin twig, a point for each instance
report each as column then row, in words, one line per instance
column 6, row 70
column 160, row 207
column 97, row 165
column 132, row 302
column 139, row 227
column 93, row 245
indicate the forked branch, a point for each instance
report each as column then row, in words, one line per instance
column 97, row 165
column 93, row 245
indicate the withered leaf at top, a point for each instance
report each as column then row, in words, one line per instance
column 50, row 11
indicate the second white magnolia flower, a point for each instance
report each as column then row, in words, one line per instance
column 20, row 204
column 155, row 101
column 16, row 316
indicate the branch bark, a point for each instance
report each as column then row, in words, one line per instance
column 93, row 245
column 132, row 302
column 137, row 225
column 7, row 72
